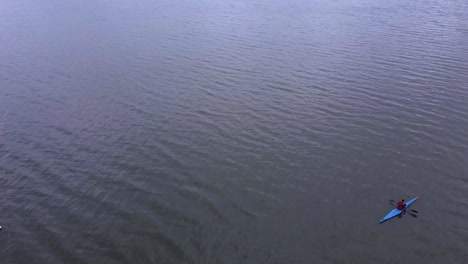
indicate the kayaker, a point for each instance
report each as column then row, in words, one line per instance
column 401, row 204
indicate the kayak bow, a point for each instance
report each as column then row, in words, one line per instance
column 396, row 212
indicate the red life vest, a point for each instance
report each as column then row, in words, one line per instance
column 400, row 205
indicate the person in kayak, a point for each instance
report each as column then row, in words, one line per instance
column 401, row 204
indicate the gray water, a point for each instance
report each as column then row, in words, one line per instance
column 203, row 131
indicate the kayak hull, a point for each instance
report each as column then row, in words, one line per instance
column 395, row 212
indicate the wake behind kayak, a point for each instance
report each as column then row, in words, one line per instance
column 396, row 212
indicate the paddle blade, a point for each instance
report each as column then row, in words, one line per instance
column 413, row 215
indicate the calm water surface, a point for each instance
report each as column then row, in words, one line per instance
column 203, row 131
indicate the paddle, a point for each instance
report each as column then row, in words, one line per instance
column 392, row 202
column 413, row 215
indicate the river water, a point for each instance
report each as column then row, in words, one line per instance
column 222, row 131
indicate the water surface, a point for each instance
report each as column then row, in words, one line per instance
column 233, row 131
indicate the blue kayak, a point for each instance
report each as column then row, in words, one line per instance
column 396, row 212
